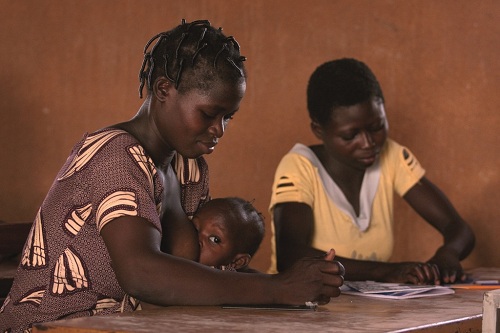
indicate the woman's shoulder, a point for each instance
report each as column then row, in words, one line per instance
column 392, row 149
column 396, row 150
column 114, row 139
column 298, row 151
column 111, row 133
column 113, row 144
column 392, row 144
column 100, row 149
column 299, row 159
column 301, row 149
column 397, row 154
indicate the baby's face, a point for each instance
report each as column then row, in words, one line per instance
column 216, row 247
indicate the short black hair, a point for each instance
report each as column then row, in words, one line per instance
column 195, row 52
column 245, row 223
column 341, row 82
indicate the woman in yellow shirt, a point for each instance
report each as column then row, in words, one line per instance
column 340, row 193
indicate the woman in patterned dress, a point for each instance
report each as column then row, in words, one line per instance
column 114, row 228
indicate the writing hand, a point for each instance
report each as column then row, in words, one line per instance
column 312, row 279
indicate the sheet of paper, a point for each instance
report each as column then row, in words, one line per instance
column 393, row 290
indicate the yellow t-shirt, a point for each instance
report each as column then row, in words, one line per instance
column 302, row 179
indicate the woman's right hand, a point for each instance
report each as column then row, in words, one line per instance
column 312, row 280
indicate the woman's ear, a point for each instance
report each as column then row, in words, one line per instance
column 317, row 130
column 161, row 88
column 241, row 260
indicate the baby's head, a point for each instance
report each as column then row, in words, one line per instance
column 230, row 231
column 340, row 83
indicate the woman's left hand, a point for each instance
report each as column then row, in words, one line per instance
column 449, row 265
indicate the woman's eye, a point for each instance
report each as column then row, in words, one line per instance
column 348, row 137
column 214, row 239
column 378, row 127
column 208, row 115
column 229, row 116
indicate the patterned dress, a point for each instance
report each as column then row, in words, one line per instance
column 65, row 269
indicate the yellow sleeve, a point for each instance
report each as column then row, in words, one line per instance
column 407, row 170
column 292, row 181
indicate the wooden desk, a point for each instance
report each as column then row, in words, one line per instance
column 460, row 312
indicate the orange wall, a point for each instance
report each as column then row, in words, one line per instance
column 68, row 67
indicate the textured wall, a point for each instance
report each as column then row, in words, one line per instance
column 68, row 67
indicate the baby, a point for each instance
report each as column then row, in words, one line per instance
column 230, row 231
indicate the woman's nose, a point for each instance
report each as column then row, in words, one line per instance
column 367, row 140
column 217, row 129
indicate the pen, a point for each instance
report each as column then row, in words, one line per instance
column 486, row 282
column 474, row 286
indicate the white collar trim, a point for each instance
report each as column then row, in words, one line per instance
column 367, row 193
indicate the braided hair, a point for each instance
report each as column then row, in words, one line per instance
column 192, row 56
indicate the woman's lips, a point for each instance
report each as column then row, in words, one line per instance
column 209, row 145
column 369, row 158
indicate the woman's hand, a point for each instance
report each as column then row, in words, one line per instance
column 312, row 280
column 413, row 272
column 433, row 205
column 448, row 262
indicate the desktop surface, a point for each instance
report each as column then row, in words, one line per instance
column 459, row 312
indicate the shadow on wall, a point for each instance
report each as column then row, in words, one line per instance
column 18, row 113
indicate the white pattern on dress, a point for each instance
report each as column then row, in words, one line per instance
column 108, row 208
column 89, row 148
column 34, row 254
column 78, row 218
column 147, row 166
column 69, row 273
column 34, row 297
column 5, row 302
column 194, row 174
column 104, row 304
column 144, row 162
